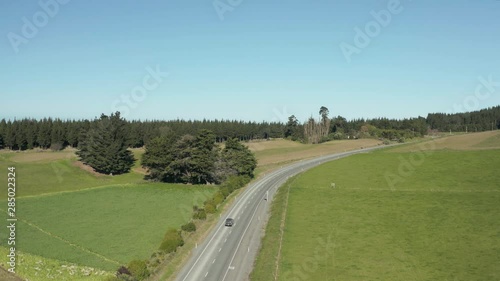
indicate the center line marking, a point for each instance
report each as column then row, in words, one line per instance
column 259, row 186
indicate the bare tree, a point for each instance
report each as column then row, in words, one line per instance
column 314, row 130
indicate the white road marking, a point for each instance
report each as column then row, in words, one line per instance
column 254, row 190
column 214, row 261
column 220, row 250
column 206, row 274
column 241, row 239
column 239, row 198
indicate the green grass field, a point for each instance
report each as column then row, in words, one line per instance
column 62, row 175
column 72, row 221
column 438, row 221
column 104, row 227
column 37, row 268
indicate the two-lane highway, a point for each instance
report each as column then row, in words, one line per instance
column 228, row 253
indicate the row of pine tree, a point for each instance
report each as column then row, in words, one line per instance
column 56, row 134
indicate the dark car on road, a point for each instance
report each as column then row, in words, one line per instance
column 229, row 222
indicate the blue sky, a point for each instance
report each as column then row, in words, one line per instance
column 247, row 59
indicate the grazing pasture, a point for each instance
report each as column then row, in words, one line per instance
column 439, row 221
column 71, row 218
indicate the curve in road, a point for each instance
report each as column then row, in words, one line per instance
column 228, row 253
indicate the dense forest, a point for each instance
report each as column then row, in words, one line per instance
column 56, row 134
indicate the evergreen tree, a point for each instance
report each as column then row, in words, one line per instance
column 8, row 138
column 31, row 132
column 158, row 156
column 11, row 135
column 72, row 132
column 57, row 136
column 235, row 159
column 55, row 133
column 3, row 128
column 180, row 169
column 19, row 130
column 45, row 133
column 136, row 135
column 104, row 148
column 197, row 159
column 291, row 127
column 203, row 158
column 83, row 145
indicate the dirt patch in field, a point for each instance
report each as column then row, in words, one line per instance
column 42, row 155
column 284, row 151
column 271, row 144
column 472, row 141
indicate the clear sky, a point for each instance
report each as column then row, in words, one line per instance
column 247, row 59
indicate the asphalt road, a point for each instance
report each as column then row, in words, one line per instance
column 228, row 253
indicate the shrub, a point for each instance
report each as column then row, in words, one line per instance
column 122, row 274
column 241, row 181
column 231, row 183
column 225, row 191
column 235, row 182
column 200, row 214
column 171, row 241
column 218, row 198
column 210, row 207
column 230, row 186
column 138, row 269
column 338, row 136
column 189, row 227
column 326, row 138
column 123, row 271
